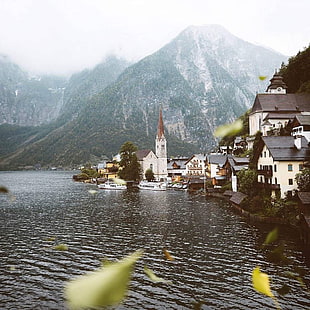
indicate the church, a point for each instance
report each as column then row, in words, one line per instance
column 157, row 161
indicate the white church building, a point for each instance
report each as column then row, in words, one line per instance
column 157, row 161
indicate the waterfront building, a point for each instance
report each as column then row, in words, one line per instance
column 176, row 168
column 215, row 170
column 195, row 166
column 279, row 159
column 232, row 166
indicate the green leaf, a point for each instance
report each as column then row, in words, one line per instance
column 60, row 247
column 228, row 129
column 106, row 286
column 271, row 237
column 151, row 275
column 262, row 77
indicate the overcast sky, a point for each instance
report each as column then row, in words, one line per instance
column 64, row 36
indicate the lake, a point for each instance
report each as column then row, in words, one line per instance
column 215, row 250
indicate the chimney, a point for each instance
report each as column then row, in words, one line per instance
column 297, row 142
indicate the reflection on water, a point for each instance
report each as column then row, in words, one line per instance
column 214, row 249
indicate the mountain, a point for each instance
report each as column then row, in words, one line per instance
column 203, row 78
column 28, row 100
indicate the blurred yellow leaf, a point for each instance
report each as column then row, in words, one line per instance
column 119, row 181
column 151, row 275
column 228, row 129
column 261, row 282
column 50, row 239
column 60, row 247
column 106, row 286
column 167, row 254
column 262, row 77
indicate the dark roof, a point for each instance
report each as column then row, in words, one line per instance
column 282, row 148
column 219, row 159
column 142, row 154
column 289, row 103
column 237, row 197
column 304, row 197
column 301, row 120
column 276, row 81
column 273, row 115
column 179, row 162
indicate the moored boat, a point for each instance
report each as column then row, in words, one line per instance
column 111, row 185
column 152, row 186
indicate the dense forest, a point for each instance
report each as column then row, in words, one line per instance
column 296, row 73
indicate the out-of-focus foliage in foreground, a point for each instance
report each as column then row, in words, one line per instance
column 105, row 287
column 229, row 129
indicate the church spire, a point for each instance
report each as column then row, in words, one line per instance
column 160, row 127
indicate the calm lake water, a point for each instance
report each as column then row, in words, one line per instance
column 215, row 250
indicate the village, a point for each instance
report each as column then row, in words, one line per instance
column 278, row 139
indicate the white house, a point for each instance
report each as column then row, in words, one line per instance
column 275, row 108
column 195, row 165
column 279, row 159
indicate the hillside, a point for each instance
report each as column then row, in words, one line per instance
column 296, row 73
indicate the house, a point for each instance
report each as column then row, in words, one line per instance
column 232, row 166
column 157, row 161
column 301, row 126
column 215, row 168
column 274, row 109
column 110, row 170
column 176, row 168
column 195, row 166
column 240, row 145
column 279, row 159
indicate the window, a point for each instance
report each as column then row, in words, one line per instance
column 301, row 167
column 275, row 168
column 289, row 167
column 290, row 181
column 275, row 180
column 265, row 154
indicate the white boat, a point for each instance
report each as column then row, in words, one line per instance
column 111, row 185
column 153, row 186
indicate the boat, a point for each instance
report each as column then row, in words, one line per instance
column 111, row 185
column 152, row 186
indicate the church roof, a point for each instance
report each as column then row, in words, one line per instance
column 276, row 81
column 282, row 103
column 142, row 154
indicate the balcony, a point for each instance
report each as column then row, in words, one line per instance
column 195, row 168
column 266, row 173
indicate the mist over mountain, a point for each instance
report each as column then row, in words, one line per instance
column 203, row 78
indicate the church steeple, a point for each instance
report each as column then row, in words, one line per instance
column 160, row 142
column 277, row 85
column 160, row 127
